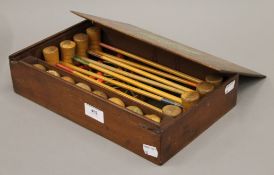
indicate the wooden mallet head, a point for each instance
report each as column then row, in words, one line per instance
column 189, row 98
column 171, row 110
column 214, row 79
column 204, row 88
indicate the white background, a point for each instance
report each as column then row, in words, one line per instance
column 34, row 140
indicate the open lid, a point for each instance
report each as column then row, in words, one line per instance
column 187, row 52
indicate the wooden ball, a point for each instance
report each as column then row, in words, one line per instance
column 40, row 66
column 101, row 94
column 84, row 86
column 204, row 88
column 171, row 110
column 135, row 109
column 68, row 79
column 117, row 101
column 53, row 72
column 214, row 79
column 153, row 117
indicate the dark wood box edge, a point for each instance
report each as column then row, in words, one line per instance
column 160, row 140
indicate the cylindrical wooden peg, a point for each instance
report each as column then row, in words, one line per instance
column 51, row 55
column 94, row 35
column 81, row 40
column 67, row 50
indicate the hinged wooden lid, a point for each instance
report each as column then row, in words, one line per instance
column 195, row 55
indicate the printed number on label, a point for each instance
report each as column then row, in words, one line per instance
column 94, row 113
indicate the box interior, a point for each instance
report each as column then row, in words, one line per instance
column 127, row 43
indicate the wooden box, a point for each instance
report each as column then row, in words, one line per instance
column 153, row 141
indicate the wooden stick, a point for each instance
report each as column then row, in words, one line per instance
column 151, row 70
column 133, row 82
column 147, row 61
column 120, row 84
column 134, row 76
column 141, row 72
column 69, row 70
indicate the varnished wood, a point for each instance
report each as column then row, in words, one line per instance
column 121, row 126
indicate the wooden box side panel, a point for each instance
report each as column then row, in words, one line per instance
column 119, row 126
column 198, row 119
